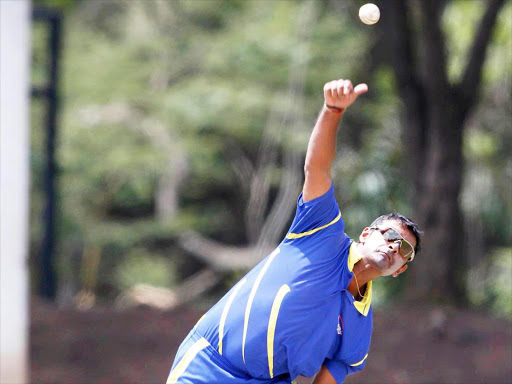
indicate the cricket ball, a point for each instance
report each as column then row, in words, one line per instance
column 369, row 13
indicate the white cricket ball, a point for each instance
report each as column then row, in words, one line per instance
column 369, row 13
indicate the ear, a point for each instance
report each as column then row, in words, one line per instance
column 362, row 237
column 401, row 270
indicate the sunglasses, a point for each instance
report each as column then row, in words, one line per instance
column 391, row 235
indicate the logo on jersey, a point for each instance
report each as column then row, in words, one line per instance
column 340, row 325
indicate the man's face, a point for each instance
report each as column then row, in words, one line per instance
column 383, row 255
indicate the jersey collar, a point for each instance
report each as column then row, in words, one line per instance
column 363, row 306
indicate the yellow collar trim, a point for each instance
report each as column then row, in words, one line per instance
column 363, row 306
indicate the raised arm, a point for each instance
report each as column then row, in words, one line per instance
column 338, row 96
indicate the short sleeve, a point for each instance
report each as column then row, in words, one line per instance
column 340, row 370
column 315, row 215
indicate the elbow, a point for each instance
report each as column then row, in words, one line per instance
column 309, row 170
column 317, row 165
column 314, row 172
column 310, row 167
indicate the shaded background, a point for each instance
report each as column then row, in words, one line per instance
column 180, row 130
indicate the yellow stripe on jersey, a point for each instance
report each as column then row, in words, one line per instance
column 272, row 321
column 299, row 235
column 361, row 362
column 198, row 321
column 251, row 298
column 226, row 310
column 197, row 347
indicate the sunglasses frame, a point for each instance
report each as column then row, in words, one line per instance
column 400, row 239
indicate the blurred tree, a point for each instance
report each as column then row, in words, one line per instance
column 264, row 225
column 193, row 117
column 436, row 113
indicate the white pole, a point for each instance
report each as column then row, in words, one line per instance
column 14, row 187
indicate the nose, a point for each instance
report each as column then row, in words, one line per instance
column 395, row 246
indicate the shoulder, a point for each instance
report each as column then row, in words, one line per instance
column 315, row 215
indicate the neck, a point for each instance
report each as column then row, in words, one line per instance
column 363, row 273
column 357, row 287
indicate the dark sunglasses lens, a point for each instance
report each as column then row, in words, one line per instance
column 392, row 235
column 406, row 249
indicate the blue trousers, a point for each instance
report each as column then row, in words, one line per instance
column 197, row 362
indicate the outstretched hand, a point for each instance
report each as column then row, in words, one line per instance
column 341, row 94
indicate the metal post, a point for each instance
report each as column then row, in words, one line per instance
column 48, row 281
column 14, row 190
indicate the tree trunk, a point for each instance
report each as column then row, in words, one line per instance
column 167, row 191
column 438, row 272
column 435, row 113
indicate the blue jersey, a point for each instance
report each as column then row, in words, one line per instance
column 292, row 312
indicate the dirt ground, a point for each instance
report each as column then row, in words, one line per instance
column 409, row 345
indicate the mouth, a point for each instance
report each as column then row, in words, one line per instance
column 387, row 256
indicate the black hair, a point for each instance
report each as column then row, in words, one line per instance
column 405, row 221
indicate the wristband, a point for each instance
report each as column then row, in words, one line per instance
column 333, row 109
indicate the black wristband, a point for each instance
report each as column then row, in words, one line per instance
column 334, row 109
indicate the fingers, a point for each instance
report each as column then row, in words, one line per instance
column 347, row 87
column 332, row 90
column 339, row 88
column 341, row 93
column 328, row 91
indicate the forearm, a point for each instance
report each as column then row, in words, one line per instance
column 322, row 143
column 321, row 152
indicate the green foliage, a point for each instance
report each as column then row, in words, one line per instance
column 487, row 147
column 481, row 146
column 460, row 21
column 489, row 282
column 141, row 267
column 57, row 4
column 206, row 75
